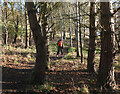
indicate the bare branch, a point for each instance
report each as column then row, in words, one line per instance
column 115, row 11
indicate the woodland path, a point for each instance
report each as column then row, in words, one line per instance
column 65, row 76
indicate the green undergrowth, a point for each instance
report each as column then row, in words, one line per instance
column 13, row 55
column 40, row 88
column 53, row 47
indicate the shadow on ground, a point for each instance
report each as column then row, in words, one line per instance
column 70, row 80
column 15, row 80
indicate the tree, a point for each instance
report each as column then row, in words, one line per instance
column 106, row 71
column 5, row 23
column 22, row 21
column 92, row 35
column 15, row 20
column 45, row 30
column 70, row 26
column 39, row 39
column 61, row 26
column 26, row 26
column 80, row 27
column 77, row 29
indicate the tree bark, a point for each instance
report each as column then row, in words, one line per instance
column 39, row 39
column 80, row 27
column 6, row 25
column 77, row 30
column 92, row 34
column 45, row 31
column 26, row 28
column 70, row 27
column 106, row 71
column 30, row 38
column 16, row 29
column 61, row 30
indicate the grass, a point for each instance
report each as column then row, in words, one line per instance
column 53, row 47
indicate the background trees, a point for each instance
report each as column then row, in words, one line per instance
column 83, row 25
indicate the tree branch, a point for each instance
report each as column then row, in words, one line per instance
column 116, row 11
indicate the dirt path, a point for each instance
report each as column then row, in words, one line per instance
column 65, row 78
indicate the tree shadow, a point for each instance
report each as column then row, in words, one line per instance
column 24, row 54
column 70, row 80
column 15, row 80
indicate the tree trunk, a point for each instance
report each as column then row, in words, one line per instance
column 80, row 27
column 77, row 30
column 41, row 57
column 64, row 35
column 54, row 32
column 51, row 30
column 61, row 29
column 6, row 25
column 16, row 29
column 92, row 34
column 22, row 27
column 106, row 71
column 45, row 31
column 30, row 38
column 26, row 26
column 22, row 22
column 117, row 31
column 70, row 27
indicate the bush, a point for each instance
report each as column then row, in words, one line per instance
column 71, row 49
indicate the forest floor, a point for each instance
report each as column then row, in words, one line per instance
column 65, row 75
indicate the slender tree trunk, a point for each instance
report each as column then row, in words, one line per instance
column 64, row 35
column 61, row 29
column 54, row 32
column 22, row 23
column 41, row 53
column 22, row 26
column 84, row 32
column 30, row 38
column 64, row 22
column 6, row 25
column 81, row 52
column 26, row 26
column 77, row 30
column 16, row 29
column 70, row 27
column 15, row 21
column 51, row 31
column 92, row 34
column 106, row 71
